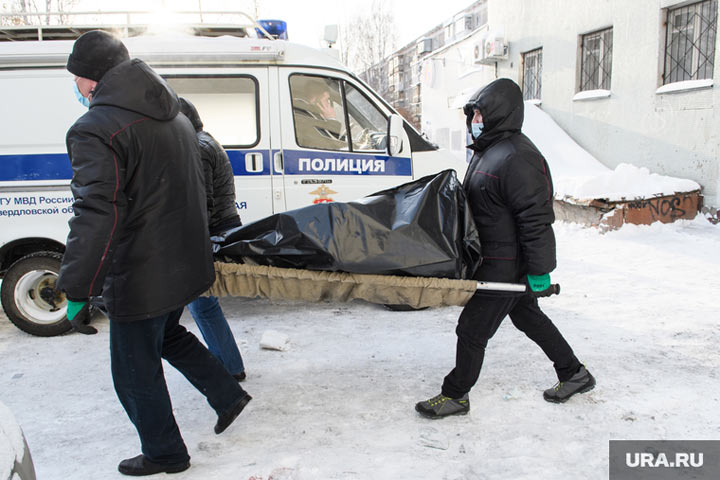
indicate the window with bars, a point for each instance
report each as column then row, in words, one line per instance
column 690, row 42
column 596, row 64
column 532, row 74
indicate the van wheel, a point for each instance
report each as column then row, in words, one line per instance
column 29, row 297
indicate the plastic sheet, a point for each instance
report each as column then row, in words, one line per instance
column 422, row 228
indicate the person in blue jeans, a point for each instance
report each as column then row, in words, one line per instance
column 222, row 215
column 214, row 328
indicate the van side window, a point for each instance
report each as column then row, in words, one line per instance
column 318, row 112
column 228, row 106
column 368, row 126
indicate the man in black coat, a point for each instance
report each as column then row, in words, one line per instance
column 139, row 236
column 510, row 192
column 222, row 215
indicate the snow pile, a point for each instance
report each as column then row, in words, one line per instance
column 272, row 340
column 628, row 182
column 580, row 177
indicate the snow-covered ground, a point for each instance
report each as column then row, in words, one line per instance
column 639, row 306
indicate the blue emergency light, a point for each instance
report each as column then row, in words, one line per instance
column 276, row 28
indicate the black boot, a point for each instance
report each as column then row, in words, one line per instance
column 581, row 382
column 225, row 419
column 441, row 406
column 140, row 466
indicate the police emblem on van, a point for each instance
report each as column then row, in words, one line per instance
column 322, row 193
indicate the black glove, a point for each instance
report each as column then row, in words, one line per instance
column 78, row 314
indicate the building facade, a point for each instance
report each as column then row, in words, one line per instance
column 630, row 81
column 399, row 78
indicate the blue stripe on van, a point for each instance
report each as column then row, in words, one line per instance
column 56, row 166
column 237, row 160
column 43, row 166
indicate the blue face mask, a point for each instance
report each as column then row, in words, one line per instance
column 84, row 101
column 477, row 129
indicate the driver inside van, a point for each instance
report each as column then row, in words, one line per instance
column 316, row 117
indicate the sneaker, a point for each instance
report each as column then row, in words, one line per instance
column 581, row 382
column 441, row 406
column 140, row 466
column 225, row 419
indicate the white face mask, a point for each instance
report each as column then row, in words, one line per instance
column 477, row 129
column 84, row 101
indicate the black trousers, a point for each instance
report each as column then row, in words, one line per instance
column 136, row 353
column 479, row 321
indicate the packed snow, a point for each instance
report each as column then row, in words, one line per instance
column 638, row 305
column 580, row 177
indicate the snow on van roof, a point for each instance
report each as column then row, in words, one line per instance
column 175, row 49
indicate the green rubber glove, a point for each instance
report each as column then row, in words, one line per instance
column 78, row 314
column 539, row 283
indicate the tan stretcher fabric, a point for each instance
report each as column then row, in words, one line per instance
column 241, row 280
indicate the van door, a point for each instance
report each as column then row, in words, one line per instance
column 233, row 106
column 334, row 139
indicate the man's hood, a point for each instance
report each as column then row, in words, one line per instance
column 189, row 110
column 134, row 86
column 502, row 109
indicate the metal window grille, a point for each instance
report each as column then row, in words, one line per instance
column 532, row 74
column 596, row 66
column 690, row 42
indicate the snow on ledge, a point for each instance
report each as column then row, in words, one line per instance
column 580, row 177
column 683, row 86
column 591, row 95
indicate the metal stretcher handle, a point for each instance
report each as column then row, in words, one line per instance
column 518, row 288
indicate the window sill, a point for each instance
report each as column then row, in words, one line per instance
column 591, row 95
column 685, row 86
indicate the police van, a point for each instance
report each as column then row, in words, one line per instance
column 298, row 127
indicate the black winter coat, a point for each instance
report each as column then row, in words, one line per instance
column 509, row 189
column 139, row 233
column 219, row 184
column 219, row 178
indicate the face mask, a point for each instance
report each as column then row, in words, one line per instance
column 477, row 129
column 84, row 101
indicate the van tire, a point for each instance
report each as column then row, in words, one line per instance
column 31, row 311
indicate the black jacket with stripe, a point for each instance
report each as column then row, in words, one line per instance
column 139, row 232
column 509, row 188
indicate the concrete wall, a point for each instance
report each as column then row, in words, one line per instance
column 676, row 134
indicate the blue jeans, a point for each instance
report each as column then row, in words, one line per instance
column 215, row 330
column 136, row 352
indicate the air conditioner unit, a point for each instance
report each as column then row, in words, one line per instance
column 490, row 49
column 424, row 46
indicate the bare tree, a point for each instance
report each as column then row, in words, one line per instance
column 25, row 7
column 369, row 37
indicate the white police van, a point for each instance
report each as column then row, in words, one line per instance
column 299, row 129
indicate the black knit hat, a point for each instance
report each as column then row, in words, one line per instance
column 94, row 53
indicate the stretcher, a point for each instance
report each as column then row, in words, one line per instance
column 276, row 283
column 414, row 245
